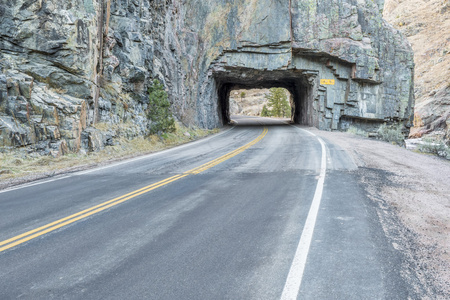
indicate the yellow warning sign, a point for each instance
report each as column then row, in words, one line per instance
column 327, row 81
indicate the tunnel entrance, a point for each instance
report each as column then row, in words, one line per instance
column 299, row 85
column 325, row 92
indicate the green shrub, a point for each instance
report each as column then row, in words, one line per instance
column 161, row 119
column 357, row 131
column 434, row 146
column 265, row 112
column 392, row 134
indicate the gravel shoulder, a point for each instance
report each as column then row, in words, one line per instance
column 412, row 195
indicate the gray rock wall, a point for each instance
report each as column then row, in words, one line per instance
column 264, row 43
column 69, row 65
column 48, row 53
column 94, row 57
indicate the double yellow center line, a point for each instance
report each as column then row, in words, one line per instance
column 29, row 235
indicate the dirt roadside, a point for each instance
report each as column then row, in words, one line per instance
column 412, row 194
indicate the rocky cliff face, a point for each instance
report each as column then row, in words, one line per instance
column 295, row 44
column 69, row 65
column 426, row 24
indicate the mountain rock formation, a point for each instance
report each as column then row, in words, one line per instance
column 426, row 24
column 248, row 102
column 66, row 66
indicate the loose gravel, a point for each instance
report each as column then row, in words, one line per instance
column 412, row 193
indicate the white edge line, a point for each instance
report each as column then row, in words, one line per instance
column 26, row 185
column 295, row 276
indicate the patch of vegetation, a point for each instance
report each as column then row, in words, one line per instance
column 161, row 119
column 434, row 146
column 278, row 105
column 18, row 162
column 102, row 126
column 265, row 112
column 392, row 134
column 357, row 131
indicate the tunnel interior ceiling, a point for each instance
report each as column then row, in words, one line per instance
column 246, row 79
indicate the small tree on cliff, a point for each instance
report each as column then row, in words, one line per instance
column 278, row 103
column 161, row 119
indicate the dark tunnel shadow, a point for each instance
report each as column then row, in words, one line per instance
column 295, row 82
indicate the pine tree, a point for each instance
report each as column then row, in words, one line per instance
column 161, row 119
column 278, row 103
column 265, row 112
column 286, row 108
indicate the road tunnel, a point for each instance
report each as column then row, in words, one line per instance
column 325, row 92
column 298, row 85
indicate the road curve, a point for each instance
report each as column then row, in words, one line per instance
column 226, row 217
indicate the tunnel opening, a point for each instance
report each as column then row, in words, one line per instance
column 299, row 85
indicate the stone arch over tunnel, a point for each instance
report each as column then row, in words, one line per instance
column 327, row 93
column 299, row 85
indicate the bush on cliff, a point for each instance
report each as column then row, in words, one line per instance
column 161, row 120
column 392, row 134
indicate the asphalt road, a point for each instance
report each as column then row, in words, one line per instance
column 259, row 211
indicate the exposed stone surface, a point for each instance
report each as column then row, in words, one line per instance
column 248, row 102
column 426, row 23
column 31, row 114
column 370, row 62
column 62, row 69
column 432, row 114
column 67, row 65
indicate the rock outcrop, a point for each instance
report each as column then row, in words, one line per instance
column 295, row 45
column 249, row 102
column 67, row 66
column 426, row 24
